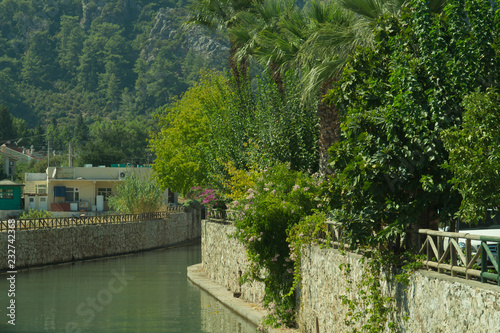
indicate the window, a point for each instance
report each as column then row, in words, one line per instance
column 105, row 192
column 72, row 194
column 6, row 193
column 41, row 189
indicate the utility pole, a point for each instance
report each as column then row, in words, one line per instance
column 48, row 153
column 70, row 153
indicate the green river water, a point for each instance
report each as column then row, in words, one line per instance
column 145, row 292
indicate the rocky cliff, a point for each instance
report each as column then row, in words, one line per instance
column 167, row 27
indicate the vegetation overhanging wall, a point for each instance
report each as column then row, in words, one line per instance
column 432, row 302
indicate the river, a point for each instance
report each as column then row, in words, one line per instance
column 144, row 292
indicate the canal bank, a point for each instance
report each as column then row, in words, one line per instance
column 141, row 292
column 250, row 311
column 430, row 302
column 45, row 246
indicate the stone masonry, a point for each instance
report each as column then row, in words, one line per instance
column 432, row 302
column 51, row 246
column 223, row 259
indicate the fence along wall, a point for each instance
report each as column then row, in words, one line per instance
column 434, row 302
column 58, row 245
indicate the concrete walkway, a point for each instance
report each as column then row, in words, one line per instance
column 252, row 312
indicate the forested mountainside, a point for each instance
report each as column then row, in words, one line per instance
column 107, row 58
column 99, row 62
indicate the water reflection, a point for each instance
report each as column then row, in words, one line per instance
column 216, row 318
column 145, row 292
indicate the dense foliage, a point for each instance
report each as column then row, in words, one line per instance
column 92, row 73
column 214, row 128
column 137, row 194
column 396, row 101
column 280, row 199
column 398, row 74
column 62, row 58
column 475, row 155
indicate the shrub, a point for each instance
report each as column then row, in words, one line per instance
column 35, row 214
column 280, row 199
column 136, row 195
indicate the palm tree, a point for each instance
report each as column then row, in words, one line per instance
column 335, row 30
column 282, row 39
column 252, row 30
column 222, row 15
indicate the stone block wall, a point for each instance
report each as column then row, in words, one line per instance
column 223, row 258
column 51, row 246
column 433, row 302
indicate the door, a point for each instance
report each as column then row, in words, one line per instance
column 43, row 203
column 31, row 203
column 99, row 202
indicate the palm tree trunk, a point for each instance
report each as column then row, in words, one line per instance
column 277, row 77
column 239, row 69
column 329, row 130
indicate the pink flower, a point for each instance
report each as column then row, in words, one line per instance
column 296, row 187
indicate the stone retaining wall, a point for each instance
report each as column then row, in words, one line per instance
column 223, row 259
column 51, row 246
column 433, row 302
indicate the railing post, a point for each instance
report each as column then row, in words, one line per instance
column 453, row 256
column 468, row 256
column 484, row 261
column 429, row 249
column 440, row 246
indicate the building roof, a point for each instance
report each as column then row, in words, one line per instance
column 17, row 153
column 7, row 182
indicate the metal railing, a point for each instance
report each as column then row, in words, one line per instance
column 222, row 216
column 446, row 252
column 61, row 222
column 455, row 253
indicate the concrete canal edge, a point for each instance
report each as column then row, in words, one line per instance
column 250, row 311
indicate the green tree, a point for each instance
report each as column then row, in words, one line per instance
column 70, row 44
column 397, row 100
column 252, row 33
column 38, row 64
column 182, row 144
column 112, row 142
column 6, row 128
column 58, row 135
column 81, row 132
column 136, row 194
column 474, row 150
